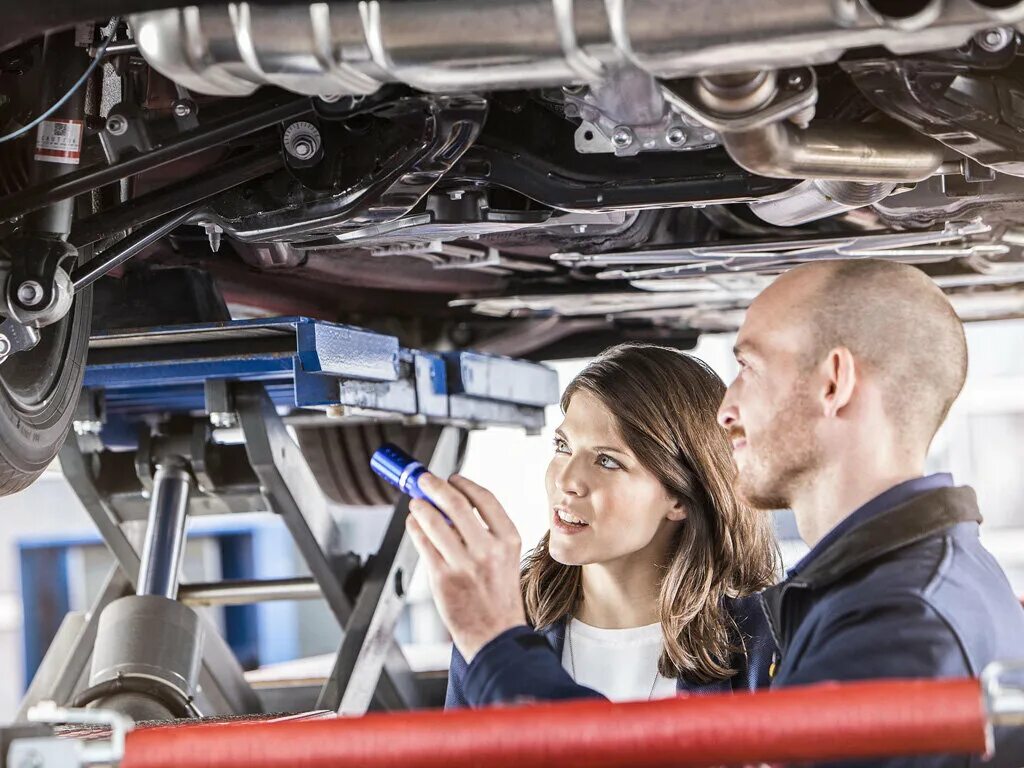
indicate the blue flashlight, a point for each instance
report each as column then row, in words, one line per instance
column 399, row 469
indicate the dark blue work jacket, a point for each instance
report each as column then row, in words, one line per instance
column 525, row 665
column 902, row 589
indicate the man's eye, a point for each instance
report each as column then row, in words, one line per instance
column 608, row 462
column 560, row 445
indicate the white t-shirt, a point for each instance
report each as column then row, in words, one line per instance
column 621, row 664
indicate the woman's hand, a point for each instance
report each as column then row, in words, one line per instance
column 473, row 567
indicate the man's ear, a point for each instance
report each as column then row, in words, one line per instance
column 840, row 379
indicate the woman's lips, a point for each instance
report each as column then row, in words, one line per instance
column 562, row 526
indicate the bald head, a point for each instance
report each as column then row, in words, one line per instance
column 896, row 322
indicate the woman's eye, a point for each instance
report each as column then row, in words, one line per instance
column 608, row 462
column 561, row 446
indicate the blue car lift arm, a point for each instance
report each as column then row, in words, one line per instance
column 309, row 364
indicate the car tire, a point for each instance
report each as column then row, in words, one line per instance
column 339, row 457
column 39, row 391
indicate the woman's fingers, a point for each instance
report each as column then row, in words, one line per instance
column 428, row 552
column 445, row 540
column 490, row 509
column 459, row 509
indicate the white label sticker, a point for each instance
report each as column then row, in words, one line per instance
column 59, row 141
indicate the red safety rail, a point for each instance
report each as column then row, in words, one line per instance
column 820, row 722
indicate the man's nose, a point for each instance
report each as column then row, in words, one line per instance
column 727, row 412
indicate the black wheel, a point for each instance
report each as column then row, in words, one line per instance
column 39, row 390
column 339, row 457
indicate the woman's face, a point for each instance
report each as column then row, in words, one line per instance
column 623, row 509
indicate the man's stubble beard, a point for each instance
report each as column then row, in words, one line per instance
column 786, row 456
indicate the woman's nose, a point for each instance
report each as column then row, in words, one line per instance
column 569, row 479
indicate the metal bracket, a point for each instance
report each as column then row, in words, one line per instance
column 15, row 337
column 797, row 91
column 126, row 133
column 628, row 113
column 53, row 752
column 1002, row 686
column 220, row 406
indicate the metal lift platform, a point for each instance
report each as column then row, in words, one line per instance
column 194, row 420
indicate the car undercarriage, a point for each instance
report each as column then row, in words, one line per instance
column 198, row 198
column 525, row 178
column 536, row 179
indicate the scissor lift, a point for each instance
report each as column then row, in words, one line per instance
column 193, row 420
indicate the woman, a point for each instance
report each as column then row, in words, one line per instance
column 645, row 585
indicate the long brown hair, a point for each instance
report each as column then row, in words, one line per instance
column 665, row 404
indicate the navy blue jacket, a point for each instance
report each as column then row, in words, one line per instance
column 908, row 592
column 524, row 665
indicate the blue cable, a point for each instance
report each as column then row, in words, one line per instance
column 92, row 66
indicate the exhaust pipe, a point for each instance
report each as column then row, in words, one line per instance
column 845, row 166
column 764, row 140
column 840, row 152
column 818, row 199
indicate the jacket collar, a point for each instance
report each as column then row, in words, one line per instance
column 555, row 635
column 899, row 494
column 887, row 532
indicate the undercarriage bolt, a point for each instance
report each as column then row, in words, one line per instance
column 117, row 125
column 30, row 293
column 182, row 109
column 995, row 39
column 87, row 427
column 676, row 136
column 302, row 140
column 622, row 138
column 5, row 347
column 223, row 420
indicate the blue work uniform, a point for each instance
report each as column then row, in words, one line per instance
column 902, row 588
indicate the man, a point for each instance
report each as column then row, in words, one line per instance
column 847, row 370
